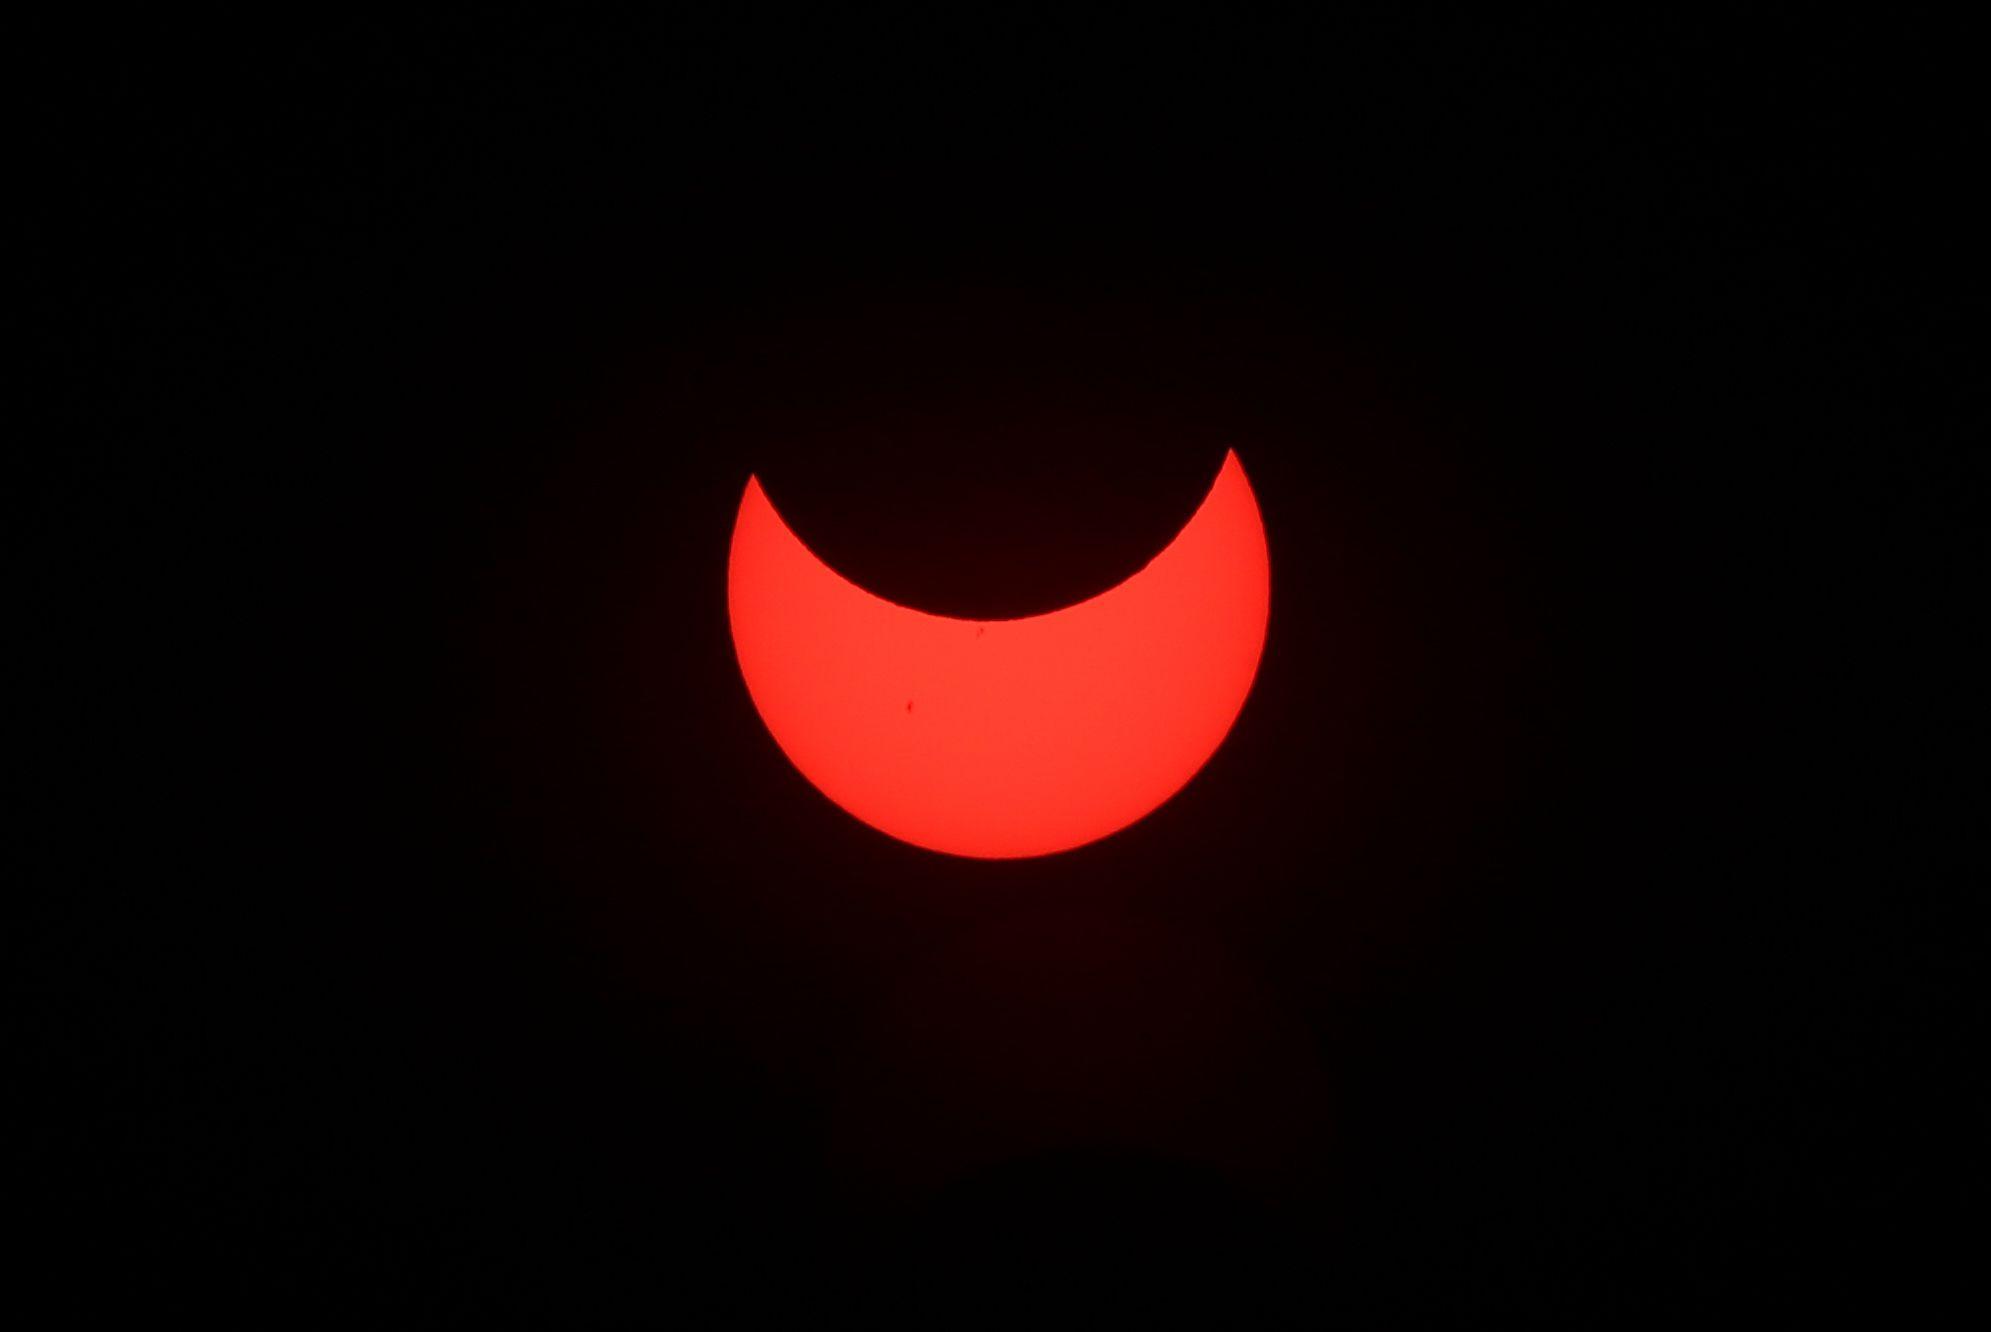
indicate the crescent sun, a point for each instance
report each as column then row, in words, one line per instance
column 1004, row 738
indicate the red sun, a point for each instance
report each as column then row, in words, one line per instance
column 1004, row 738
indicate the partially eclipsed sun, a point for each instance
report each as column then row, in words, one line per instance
column 1004, row 738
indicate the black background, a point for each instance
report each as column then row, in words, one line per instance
column 443, row 935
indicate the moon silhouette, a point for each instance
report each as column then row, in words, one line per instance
column 1004, row 738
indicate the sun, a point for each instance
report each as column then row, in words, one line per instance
column 1004, row 738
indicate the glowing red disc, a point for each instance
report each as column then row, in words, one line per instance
column 1002, row 738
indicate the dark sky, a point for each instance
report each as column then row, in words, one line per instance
column 433, row 931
